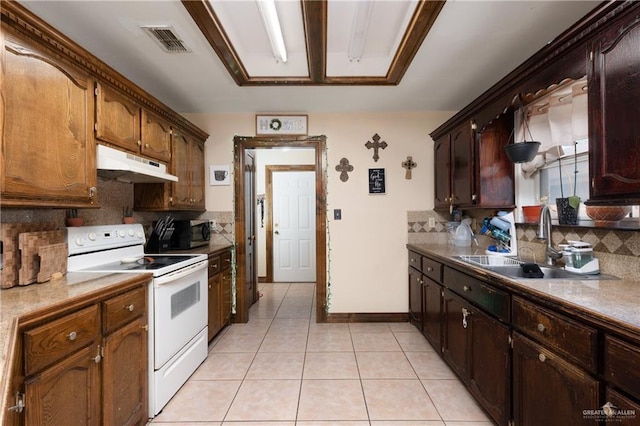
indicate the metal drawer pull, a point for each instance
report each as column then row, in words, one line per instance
column 130, row 308
column 542, row 358
column 429, row 269
column 98, row 356
column 72, row 335
column 465, row 314
column 466, row 288
column 541, row 327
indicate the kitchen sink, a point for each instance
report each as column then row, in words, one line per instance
column 511, row 267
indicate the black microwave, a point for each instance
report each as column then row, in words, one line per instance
column 188, row 234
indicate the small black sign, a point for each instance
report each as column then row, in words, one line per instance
column 376, row 181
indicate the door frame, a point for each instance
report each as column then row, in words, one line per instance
column 269, row 195
column 318, row 143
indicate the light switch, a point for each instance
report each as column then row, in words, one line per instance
column 337, row 214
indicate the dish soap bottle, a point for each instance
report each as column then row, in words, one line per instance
column 463, row 234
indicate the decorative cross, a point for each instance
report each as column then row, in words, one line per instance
column 343, row 168
column 375, row 145
column 409, row 164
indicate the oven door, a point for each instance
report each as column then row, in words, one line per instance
column 180, row 310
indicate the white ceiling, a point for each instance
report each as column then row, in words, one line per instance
column 471, row 46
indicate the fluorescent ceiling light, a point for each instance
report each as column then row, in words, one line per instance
column 359, row 28
column 272, row 25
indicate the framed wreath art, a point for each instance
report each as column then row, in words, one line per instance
column 270, row 125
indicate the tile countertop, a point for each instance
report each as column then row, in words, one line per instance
column 22, row 301
column 614, row 303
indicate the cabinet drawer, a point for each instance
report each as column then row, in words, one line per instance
column 415, row 260
column 490, row 299
column 214, row 265
column 51, row 342
column 622, row 365
column 123, row 309
column 576, row 341
column 432, row 269
column 225, row 260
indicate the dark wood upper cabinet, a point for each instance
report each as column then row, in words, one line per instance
column 462, row 176
column 614, row 111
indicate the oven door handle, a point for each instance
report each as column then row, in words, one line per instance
column 176, row 275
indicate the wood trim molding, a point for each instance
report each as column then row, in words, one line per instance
column 368, row 317
column 269, row 213
column 314, row 15
column 318, row 143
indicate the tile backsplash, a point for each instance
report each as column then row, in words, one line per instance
column 618, row 250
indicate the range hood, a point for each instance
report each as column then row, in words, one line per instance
column 126, row 167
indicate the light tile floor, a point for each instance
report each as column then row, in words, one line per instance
column 283, row 369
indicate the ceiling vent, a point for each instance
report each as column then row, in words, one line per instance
column 167, row 38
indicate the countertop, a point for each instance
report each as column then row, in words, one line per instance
column 612, row 303
column 211, row 248
column 27, row 301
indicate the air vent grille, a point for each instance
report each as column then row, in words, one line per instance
column 167, row 38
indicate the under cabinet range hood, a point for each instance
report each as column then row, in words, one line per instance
column 126, row 167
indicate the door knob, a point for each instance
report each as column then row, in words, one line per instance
column 277, row 232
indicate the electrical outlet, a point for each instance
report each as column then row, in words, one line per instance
column 337, row 214
column 432, row 222
column 213, row 224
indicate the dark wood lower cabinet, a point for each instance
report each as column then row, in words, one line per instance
column 456, row 333
column 415, row 298
column 548, row 390
column 432, row 311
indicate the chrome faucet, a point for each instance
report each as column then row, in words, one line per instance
column 544, row 233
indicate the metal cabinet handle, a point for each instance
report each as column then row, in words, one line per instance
column 466, row 288
column 72, row 336
column 429, row 269
column 98, row 356
column 465, row 314
column 542, row 358
column 541, row 327
column 130, row 307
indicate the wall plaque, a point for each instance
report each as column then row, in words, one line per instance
column 271, row 125
column 376, row 181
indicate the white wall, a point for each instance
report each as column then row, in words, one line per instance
column 367, row 255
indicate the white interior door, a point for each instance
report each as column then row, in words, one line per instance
column 294, row 226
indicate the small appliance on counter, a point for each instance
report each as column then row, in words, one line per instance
column 501, row 228
column 190, row 233
column 578, row 256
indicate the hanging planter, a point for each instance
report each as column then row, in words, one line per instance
column 522, row 152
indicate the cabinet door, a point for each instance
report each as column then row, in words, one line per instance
column 614, row 108
column 117, row 119
column 547, row 390
column 490, row 366
column 462, row 174
column 68, row 393
column 125, row 363
column 442, row 159
column 495, row 186
column 155, row 137
column 197, row 175
column 180, row 191
column 52, row 163
column 415, row 298
column 432, row 311
column 214, row 316
column 456, row 333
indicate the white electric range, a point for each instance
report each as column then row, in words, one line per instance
column 177, row 299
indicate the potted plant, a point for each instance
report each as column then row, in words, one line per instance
column 532, row 213
column 568, row 206
column 127, row 215
column 73, row 219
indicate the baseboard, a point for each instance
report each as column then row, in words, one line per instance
column 368, row 317
column 262, row 279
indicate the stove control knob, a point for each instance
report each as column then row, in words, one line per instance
column 121, row 234
column 132, row 232
column 79, row 241
column 140, row 234
column 92, row 236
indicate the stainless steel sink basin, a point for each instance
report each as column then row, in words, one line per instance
column 511, row 267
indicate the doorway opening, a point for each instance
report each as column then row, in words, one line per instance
column 245, row 206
